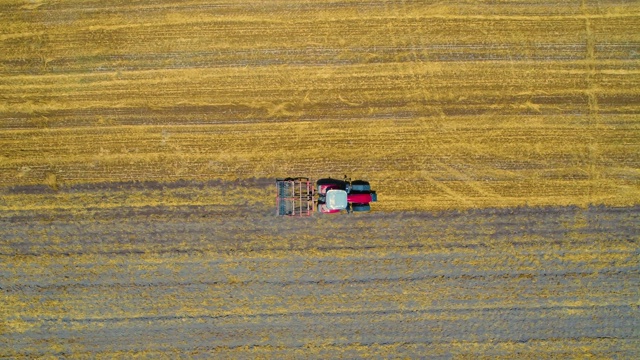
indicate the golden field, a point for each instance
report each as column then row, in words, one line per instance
column 443, row 106
column 139, row 142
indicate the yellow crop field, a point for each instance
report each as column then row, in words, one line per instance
column 139, row 141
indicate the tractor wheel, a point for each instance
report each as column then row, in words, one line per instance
column 328, row 181
column 360, row 186
column 360, row 207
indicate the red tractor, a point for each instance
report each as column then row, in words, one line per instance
column 298, row 197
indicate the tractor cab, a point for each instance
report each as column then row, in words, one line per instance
column 336, row 199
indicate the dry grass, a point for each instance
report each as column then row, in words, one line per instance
column 105, row 107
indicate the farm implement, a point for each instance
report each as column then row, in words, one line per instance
column 299, row 196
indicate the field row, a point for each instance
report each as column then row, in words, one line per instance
column 54, row 37
column 231, row 280
column 549, row 278
column 286, row 92
column 413, row 164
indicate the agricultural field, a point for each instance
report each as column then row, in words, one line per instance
column 140, row 140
